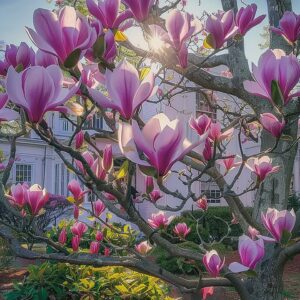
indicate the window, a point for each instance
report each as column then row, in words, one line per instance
column 213, row 196
column 211, row 191
column 56, row 180
column 62, row 181
column 95, row 123
column 23, row 173
column 202, row 105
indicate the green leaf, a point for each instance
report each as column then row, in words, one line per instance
column 286, row 236
column 277, row 96
column 149, row 171
column 123, row 170
column 251, row 273
column 99, row 47
column 43, row 294
column 19, row 68
column 144, row 72
column 72, row 59
column 208, row 42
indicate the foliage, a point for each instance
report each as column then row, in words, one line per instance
column 211, row 224
column 63, row 281
column 210, row 227
column 119, row 235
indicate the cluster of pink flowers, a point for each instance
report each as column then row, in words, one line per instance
column 31, row 199
column 223, row 26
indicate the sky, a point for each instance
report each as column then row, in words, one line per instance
column 16, row 14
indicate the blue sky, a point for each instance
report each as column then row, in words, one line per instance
column 16, row 14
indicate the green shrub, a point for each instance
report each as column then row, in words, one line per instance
column 211, row 226
column 117, row 234
column 63, row 281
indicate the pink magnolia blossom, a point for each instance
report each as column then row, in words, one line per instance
column 126, row 91
column 272, row 124
column 159, row 220
column 17, row 197
column 207, row 291
column 220, row 29
column 201, row 124
column 216, row 133
column 79, row 139
column 90, row 75
column 139, row 8
column 277, row 222
column 143, row 247
column 6, row 114
column 17, row 56
column 149, row 183
column 262, row 167
column 99, row 207
column 202, row 203
column 253, row 232
column 213, row 263
column 180, row 28
column 251, row 252
column 155, row 195
column 94, row 247
column 94, row 164
column 107, row 251
column 272, row 66
column 289, row 27
column 181, row 230
column 229, row 163
column 245, row 18
column 36, row 198
column 79, row 229
column 45, row 59
column 208, row 150
column 75, row 243
column 107, row 160
column 109, row 196
column 99, row 236
column 162, row 141
column 110, row 47
column 234, row 220
column 108, row 13
column 38, row 90
column 89, row 158
column 76, row 190
column 60, row 33
column 62, row 238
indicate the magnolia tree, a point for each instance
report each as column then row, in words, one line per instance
column 80, row 68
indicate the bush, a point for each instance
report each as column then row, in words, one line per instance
column 63, row 281
column 119, row 235
column 211, row 226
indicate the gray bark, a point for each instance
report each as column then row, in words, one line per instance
column 275, row 190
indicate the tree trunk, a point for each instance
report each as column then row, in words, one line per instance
column 268, row 285
column 274, row 191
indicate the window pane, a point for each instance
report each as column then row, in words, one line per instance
column 23, row 173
